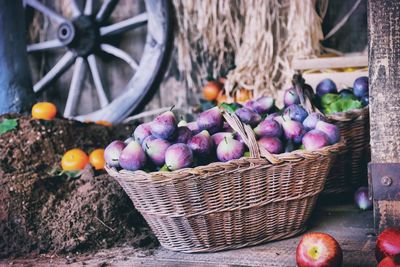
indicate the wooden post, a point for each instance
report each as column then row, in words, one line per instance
column 384, row 77
column 16, row 94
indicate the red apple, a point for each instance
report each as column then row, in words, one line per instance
column 388, row 244
column 318, row 250
column 388, row 262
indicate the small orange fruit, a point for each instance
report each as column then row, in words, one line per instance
column 243, row 95
column 96, row 158
column 211, row 90
column 74, row 159
column 44, row 111
column 104, row 123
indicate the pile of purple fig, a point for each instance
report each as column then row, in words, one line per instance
column 167, row 145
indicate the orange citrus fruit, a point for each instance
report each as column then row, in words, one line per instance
column 74, row 159
column 243, row 95
column 44, row 111
column 96, row 158
column 104, row 123
column 211, row 90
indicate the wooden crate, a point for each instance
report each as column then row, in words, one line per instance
column 316, row 69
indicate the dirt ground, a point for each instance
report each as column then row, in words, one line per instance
column 43, row 212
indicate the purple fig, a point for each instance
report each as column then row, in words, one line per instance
column 311, row 121
column 282, row 118
column 293, row 130
column 178, row 156
column 314, row 140
column 128, row 140
column 273, row 115
column 291, row 97
column 360, row 87
column 296, row 112
column 132, row 158
column 249, row 104
column 248, row 116
column 141, row 132
column 326, row 86
column 331, row 130
column 263, row 104
column 271, row 144
column 218, row 137
column 361, row 198
column 193, row 127
column 230, row 149
column 268, row 128
column 227, row 128
column 184, row 135
column 210, row 120
column 201, row 144
column 164, row 126
column 113, row 152
column 155, row 149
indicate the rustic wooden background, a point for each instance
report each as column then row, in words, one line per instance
column 173, row 90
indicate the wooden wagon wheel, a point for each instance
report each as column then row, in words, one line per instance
column 86, row 35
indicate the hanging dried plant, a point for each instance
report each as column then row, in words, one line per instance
column 259, row 37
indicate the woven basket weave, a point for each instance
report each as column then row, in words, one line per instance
column 349, row 170
column 234, row 204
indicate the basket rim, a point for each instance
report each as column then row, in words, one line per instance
column 289, row 157
column 349, row 115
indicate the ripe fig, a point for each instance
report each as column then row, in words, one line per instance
column 248, row 116
column 268, row 128
column 201, row 144
column 314, row 140
column 164, row 126
column 230, row 149
column 331, row 130
column 178, row 156
column 141, row 132
column 132, row 158
column 113, row 152
column 210, row 120
column 271, row 144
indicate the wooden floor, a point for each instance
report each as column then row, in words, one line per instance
column 352, row 228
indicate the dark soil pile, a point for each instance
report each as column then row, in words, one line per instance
column 43, row 212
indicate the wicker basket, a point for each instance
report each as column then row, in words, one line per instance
column 349, row 170
column 234, row 204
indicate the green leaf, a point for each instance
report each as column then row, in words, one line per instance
column 230, row 108
column 246, row 154
column 8, row 125
column 164, row 168
column 349, row 104
column 327, row 99
column 336, row 107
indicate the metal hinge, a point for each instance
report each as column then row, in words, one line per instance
column 385, row 180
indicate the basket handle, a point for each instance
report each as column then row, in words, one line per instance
column 247, row 135
column 306, row 94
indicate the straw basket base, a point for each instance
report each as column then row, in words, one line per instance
column 232, row 229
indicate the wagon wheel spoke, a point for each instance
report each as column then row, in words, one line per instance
column 45, row 10
column 88, row 7
column 112, row 50
column 47, row 45
column 106, row 9
column 76, row 11
column 78, row 78
column 65, row 62
column 97, row 81
column 124, row 25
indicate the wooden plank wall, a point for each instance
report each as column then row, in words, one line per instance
column 384, row 73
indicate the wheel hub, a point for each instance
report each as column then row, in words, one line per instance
column 81, row 36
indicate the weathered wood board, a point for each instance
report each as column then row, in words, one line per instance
column 384, row 73
column 352, row 228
